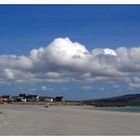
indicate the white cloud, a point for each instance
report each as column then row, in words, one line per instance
column 134, row 85
column 110, row 52
column 8, row 74
column 86, row 88
column 134, row 82
column 115, row 86
column 66, row 61
column 44, row 88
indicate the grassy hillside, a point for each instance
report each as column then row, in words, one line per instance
column 125, row 100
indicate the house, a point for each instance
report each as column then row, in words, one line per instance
column 42, row 98
column 59, row 99
column 6, row 96
column 2, row 100
column 32, row 98
column 28, row 97
column 12, row 98
column 22, row 95
column 47, row 99
column 22, row 98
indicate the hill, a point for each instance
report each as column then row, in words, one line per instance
column 124, row 100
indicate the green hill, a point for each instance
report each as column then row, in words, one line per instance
column 124, row 100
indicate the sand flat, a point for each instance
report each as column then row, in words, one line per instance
column 65, row 120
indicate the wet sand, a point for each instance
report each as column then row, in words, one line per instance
column 65, row 120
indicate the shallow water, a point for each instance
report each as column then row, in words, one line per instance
column 121, row 109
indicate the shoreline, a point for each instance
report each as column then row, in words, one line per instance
column 87, row 107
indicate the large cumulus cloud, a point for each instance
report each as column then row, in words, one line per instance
column 66, row 61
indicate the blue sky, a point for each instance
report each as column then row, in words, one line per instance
column 95, row 26
column 25, row 27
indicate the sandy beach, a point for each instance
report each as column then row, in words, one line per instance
column 65, row 120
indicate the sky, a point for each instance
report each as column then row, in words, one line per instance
column 78, row 51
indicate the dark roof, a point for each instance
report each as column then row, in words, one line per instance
column 14, row 97
column 58, row 98
column 22, row 95
column 31, row 96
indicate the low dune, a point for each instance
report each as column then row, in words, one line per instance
column 65, row 120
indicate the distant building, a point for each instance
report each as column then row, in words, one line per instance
column 32, row 98
column 22, row 95
column 28, row 97
column 2, row 100
column 49, row 99
column 6, row 96
column 14, row 98
column 59, row 99
column 23, row 99
column 44, row 98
